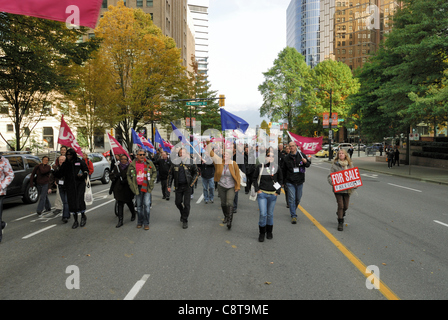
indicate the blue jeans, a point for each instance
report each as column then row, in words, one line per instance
column 294, row 197
column 266, row 204
column 208, row 186
column 65, row 208
column 43, row 200
column 143, row 207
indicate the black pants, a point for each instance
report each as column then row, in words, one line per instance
column 164, row 184
column 183, row 194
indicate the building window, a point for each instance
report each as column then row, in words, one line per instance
column 139, row 3
column 48, row 136
column 150, row 3
column 104, row 4
column 9, row 128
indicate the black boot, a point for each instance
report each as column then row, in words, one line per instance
column 75, row 224
column 120, row 216
column 230, row 217
column 83, row 219
column 262, row 233
column 340, row 224
column 269, row 232
column 226, row 215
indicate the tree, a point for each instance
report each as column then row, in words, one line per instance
column 92, row 105
column 36, row 55
column 329, row 79
column 145, row 64
column 285, row 87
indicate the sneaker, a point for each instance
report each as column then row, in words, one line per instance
column 146, row 227
column 294, row 220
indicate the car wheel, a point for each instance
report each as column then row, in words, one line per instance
column 105, row 179
column 31, row 194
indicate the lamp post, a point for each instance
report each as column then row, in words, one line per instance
column 330, row 152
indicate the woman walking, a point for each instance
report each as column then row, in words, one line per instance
column 6, row 177
column 227, row 175
column 41, row 177
column 268, row 187
column 122, row 191
column 74, row 171
column 340, row 163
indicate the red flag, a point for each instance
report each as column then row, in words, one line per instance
column 66, row 137
column 307, row 145
column 116, row 147
column 77, row 12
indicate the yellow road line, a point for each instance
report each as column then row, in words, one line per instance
column 353, row 259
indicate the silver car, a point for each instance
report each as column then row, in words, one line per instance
column 101, row 168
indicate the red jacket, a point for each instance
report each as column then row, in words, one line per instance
column 89, row 165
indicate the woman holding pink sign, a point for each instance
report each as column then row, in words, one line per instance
column 340, row 163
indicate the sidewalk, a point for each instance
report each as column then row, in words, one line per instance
column 427, row 174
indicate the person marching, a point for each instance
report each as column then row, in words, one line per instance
column 122, row 191
column 227, row 174
column 268, row 190
column 340, row 163
column 141, row 176
column 295, row 165
column 74, row 171
column 62, row 191
column 184, row 176
column 42, row 173
column 6, row 177
column 164, row 165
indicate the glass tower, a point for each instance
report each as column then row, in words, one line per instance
column 303, row 29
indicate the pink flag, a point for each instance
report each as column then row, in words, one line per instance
column 145, row 141
column 66, row 137
column 116, row 147
column 77, row 12
column 307, row 145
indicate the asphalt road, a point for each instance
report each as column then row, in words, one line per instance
column 397, row 225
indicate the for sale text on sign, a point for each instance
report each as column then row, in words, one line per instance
column 347, row 179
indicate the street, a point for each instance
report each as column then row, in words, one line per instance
column 398, row 225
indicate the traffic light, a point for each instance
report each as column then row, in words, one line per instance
column 270, row 125
column 222, row 100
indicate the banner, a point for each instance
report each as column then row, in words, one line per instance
column 78, row 12
column 66, row 137
column 136, row 140
column 308, row 145
column 116, row 147
column 346, row 179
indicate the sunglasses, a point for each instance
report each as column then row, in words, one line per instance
column 141, row 154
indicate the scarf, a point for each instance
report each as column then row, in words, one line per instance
column 343, row 163
column 123, row 166
column 144, row 188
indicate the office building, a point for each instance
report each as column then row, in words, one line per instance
column 303, row 29
column 199, row 13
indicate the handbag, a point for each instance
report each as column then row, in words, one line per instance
column 88, row 196
column 253, row 195
column 243, row 179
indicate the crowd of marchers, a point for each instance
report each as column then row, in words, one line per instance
column 263, row 173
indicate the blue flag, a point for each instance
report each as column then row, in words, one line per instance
column 232, row 122
column 146, row 146
column 179, row 134
column 162, row 144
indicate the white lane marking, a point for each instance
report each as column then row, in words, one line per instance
column 37, row 232
column 137, row 287
column 443, row 224
column 395, row 185
column 45, row 229
column 200, row 199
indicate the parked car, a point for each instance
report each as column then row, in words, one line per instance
column 344, row 146
column 22, row 164
column 101, row 168
column 324, row 153
column 362, row 147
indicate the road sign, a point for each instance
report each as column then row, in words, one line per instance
column 316, row 119
column 197, row 103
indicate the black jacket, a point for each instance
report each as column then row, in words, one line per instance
column 164, row 168
column 290, row 164
column 191, row 173
column 268, row 180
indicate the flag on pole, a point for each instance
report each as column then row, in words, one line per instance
column 147, row 143
column 66, row 138
column 308, row 145
column 78, row 12
column 162, row 143
column 232, row 122
column 116, row 147
column 179, row 134
column 136, row 140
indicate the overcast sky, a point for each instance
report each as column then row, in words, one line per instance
column 246, row 37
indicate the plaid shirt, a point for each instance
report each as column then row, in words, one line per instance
column 6, row 175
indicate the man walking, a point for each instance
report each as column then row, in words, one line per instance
column 184, row 175
column 295, row 164
column 141, row 177
column 164, row 165
column 6, row 177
